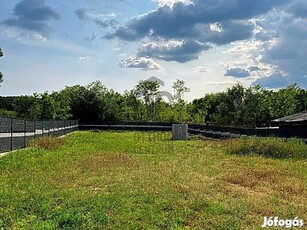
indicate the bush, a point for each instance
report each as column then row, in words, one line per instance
column 47, row 143
column 268, row 147
column 7, row 113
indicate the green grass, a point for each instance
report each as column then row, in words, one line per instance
column 126, row 180
column 269, row 147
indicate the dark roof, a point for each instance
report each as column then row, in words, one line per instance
column 293, row 118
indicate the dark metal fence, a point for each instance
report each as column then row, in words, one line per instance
column 210, row 131
column 232, row 132
column 128, row 126
column 15, row 133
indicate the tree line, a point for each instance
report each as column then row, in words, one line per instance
column 237, row 106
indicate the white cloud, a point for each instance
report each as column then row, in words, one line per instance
column 84, row 58
column 171, row 2
column 141, row 63
column 20, row 35
column 217, row 27
column 173, row 50
column 200, row 69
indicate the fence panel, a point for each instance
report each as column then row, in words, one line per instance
column 5, row 134
column 30, row 130
column 18, row 130
column 16, row 133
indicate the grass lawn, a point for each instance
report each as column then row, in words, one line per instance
column 126, row 180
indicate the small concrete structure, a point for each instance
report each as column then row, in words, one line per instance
column 180, row 132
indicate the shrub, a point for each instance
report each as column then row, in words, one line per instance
column 47, row 143
column 268, row 147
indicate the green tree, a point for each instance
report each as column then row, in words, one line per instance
column 256, row 106
column 180, row 89
column 286, row 101
column 84, row 103
column 7, row 113
column 28, row 107
column 135, row 108
column 148, row 90
column 48, row 106
column 62, row 105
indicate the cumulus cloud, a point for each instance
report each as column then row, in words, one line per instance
column 171, row 2
column 237, row 72
column 141, row 63
column 181, row 19
column 196, row 22
column 227, row 32
column 101, row 20
column 180, row 51
column 286, row 51
column 274, row 81
column 32, row 15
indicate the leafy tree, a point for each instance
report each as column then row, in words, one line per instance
column 135, row 108
column 7, row 113
column 48, row 106
column 6, row 103
column 256, row 106
column 28, row 107
column 180, row 89
column 165, row 111
column 148, row 90
column 237, row 106
column 62, row 106
column 85, row 103
column 286, row 101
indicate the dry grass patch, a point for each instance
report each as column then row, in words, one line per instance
column 251, row 178
column 47, row 143
column 109, row 160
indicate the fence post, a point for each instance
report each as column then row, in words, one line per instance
column 48, row 128
column 34, row 129
column 24, row 133
column 11, row 147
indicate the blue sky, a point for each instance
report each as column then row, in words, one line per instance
column 210, row 44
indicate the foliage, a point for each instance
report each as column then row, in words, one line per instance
column 237, row 106
column 148, row 91
column 42, row 106
column 28, row 107
column 179, row 104
column 253, row 106
column 7, row 113
column 85, row 101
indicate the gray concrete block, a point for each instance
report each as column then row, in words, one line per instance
column 180, row 132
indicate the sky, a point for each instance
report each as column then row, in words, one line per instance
column 210, row 44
